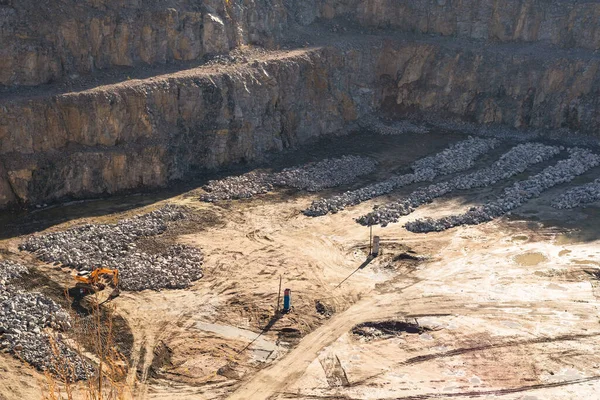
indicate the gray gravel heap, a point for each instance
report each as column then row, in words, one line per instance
column 237, row 187
column 580, row 161
column 578, row 196
column 23, row 319
column 312, row 177
column 375, row 125
column 458, row 157
column 511, row 163
column 113, row 246
column 8, row 271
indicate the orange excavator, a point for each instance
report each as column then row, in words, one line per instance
column 90, row 282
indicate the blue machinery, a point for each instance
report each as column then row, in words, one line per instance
column 287, row 300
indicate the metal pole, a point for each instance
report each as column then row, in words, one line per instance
column 279, row 293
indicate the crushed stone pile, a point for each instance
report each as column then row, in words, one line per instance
column 578, row 196
column 312, row 177
column 24, row 318
column 458, row 157
column 579, row 161
column 377, row 126
column 511, row 163
column 113, row 246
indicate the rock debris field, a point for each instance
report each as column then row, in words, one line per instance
column 311, row 177
column 458, row 157
column 511, row 163
column 113, row 246
column 580, row 160
column 578, row 196
column 24, row 319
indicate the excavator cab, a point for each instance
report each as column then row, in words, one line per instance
column 91, row 282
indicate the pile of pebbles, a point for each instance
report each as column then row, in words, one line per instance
column 578, row 196
column 375, row 125
column 92, row 246
column 24, row 319
column 458, row 157
column 311, row 177
column 511, row 163
column 580, row 161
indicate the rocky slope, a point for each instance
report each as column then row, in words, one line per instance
column 566, row 23
column 144, row 133
column 106, row 132
column 43, row 41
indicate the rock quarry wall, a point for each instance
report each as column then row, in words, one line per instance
column 565, row 23
column 499, row 85
column 44, row 41
column 522, row 64
column 145, row 133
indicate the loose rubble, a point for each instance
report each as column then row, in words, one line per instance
column 375, row 125
column 511, row 163
column 24, row 317
column 311, row 177
column 578, row 196
column 113, row 246
column 580, row 161
column 458, row 157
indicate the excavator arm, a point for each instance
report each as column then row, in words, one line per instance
column 90, row 282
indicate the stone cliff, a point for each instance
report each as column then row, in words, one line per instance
column 522, row 64
column 43, row 41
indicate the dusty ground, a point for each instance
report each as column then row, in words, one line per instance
column 511, row 305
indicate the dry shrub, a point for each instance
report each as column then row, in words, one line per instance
column 95, row 343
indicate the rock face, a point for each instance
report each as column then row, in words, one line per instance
column 489, row 62
column 566, row 23
column 87, row 35
column 146, row 133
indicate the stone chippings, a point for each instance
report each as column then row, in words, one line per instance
column 113, row 246
column 511, row 163
column 375, row 125
column 24, row 317
column 312, row 177
column 580, row 161
column 458, row 157
column 578, row 196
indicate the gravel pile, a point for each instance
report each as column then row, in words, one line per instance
column 580, row 161
column 23, row 319
column 458, row 157
column 8, row 271
column 511, row 163
column 578, row 196
column 237, row 187
column 375, row 125
column 113, row 246
column 312, row 177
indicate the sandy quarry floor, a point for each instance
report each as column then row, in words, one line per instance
column 511, row 305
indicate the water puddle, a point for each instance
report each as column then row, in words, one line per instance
column 530, row 259
column 568, row 238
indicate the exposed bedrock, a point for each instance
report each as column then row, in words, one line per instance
column 566, row 23
column 105, row 138
column 145, row 133
column 519, row 86
column 47, row 40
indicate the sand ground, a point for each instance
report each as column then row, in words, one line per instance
column 511, row 306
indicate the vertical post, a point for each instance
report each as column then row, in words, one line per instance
column 279, row 293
